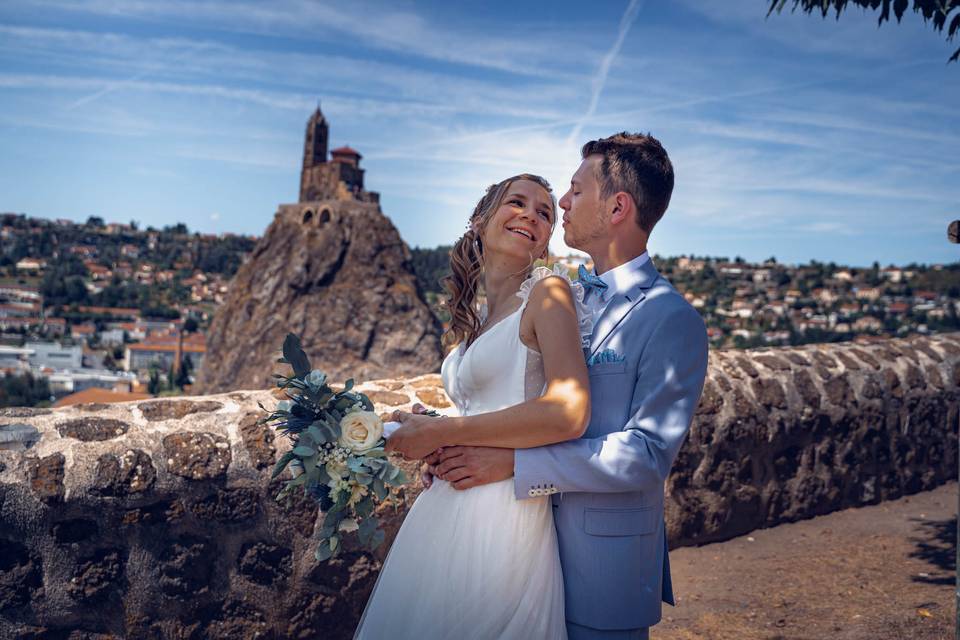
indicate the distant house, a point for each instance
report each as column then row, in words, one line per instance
column 825, row 296
column 867, row 323
column 82, row 331
column 55, row 326
column 31, row 264
column 97, row 271
column 689, row 264
column 19, row 310
column 162, row 352
column 867, row 293
column 15, row 359
column 898, row 307
column 892, row 274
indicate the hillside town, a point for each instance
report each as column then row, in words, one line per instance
column 100, row 311
column 97, row 311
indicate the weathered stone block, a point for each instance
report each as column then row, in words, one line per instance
column 93, row 429
column 186, row 566
column 196, row 455
column 46, row 477
column 433, row 397
column 389, row 398
column 156, row 410
column 132, row 472
column 265, row 563
column 96, row 576
column 258, row 441
column 227, row 505
column 21, row 575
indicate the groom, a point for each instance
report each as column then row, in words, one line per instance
column 647, row 361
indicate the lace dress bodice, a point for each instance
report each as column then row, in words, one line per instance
column 497, row 370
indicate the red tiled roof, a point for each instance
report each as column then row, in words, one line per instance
column 345, row 151
column 94, row 394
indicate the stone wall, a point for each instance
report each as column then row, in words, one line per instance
column 157, row 519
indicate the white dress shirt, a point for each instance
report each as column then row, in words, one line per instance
column 618, row 280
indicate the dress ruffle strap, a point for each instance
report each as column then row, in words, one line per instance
column 585, row 317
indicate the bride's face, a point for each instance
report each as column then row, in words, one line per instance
column 522, row 224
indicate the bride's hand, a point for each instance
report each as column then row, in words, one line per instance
column 417, row 438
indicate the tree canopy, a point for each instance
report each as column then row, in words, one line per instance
column 934, row 11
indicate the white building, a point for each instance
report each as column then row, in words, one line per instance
column 55, row 356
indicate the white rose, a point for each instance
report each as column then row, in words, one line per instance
column 360, row 430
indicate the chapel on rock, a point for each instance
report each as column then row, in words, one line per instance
column 340, row 177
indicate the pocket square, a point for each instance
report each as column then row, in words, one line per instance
column 607, row 355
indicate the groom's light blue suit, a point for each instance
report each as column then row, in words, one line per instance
column 609, row 507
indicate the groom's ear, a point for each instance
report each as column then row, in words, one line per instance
column 623, row 207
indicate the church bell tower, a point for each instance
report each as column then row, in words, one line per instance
column 314, row 148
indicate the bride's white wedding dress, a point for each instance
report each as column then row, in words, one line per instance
column 477, row 564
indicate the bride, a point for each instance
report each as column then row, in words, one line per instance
column 478, row 563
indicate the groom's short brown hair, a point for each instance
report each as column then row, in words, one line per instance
column 636, row 164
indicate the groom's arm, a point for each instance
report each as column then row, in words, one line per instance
column 639, row 456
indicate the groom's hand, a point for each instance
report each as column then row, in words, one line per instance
column 466, row 467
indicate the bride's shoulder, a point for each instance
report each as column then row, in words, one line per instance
column 545, row 281
column 540, row 280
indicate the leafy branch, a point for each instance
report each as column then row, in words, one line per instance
column 936, row 12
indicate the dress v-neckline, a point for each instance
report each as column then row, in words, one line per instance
column 487, row 331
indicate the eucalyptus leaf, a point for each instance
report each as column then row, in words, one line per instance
column 332, row 519
column 367, row 404
column 334, row 543
column 365, row 507
column 294, row 354
column 379, row 489
column 304, row 451
column 298, row 481
column 323, row 552
column 281, row 464
column 367, row 527
column 317, row 433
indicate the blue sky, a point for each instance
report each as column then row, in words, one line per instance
column 791, row 136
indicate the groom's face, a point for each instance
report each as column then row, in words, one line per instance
column 584, row 217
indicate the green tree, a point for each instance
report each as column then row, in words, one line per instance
column 23, row 391
column 154, row 385
column 183, row 374
column 934, row 11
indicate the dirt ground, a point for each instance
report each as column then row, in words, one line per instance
column 880, row 572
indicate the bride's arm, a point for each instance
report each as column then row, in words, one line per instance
column 560, row 414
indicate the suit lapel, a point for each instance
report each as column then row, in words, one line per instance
column 620, row 306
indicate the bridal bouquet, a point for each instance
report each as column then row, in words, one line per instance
column 337, row 456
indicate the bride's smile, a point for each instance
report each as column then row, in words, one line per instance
column 522, row 224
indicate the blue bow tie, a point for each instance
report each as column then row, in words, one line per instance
column 591, row 282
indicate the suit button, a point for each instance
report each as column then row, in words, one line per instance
column 532, row 492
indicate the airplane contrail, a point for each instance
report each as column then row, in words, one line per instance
column 599, row 80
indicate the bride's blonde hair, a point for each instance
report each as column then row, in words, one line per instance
column 466, row 261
